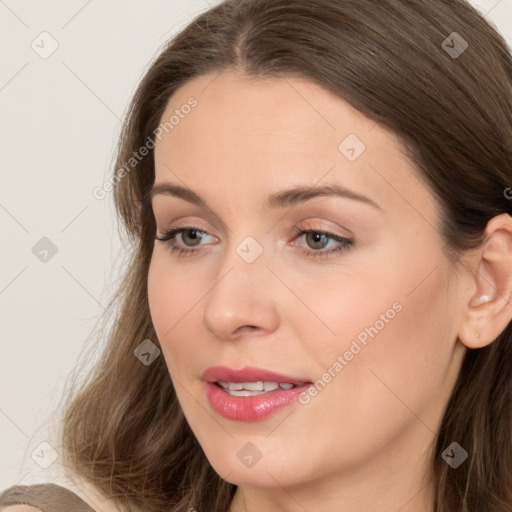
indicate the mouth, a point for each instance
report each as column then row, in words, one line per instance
column 250, row 394
column 254, row 388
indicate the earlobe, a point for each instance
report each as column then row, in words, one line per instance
column 489, row 309
column 476, row 301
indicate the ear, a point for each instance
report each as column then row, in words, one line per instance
column 489, row 310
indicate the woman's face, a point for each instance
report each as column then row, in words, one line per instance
column 368, row 321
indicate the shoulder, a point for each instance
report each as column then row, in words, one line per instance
column 45, row 497
column 49, row 497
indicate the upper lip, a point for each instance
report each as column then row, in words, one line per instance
column 247, row 374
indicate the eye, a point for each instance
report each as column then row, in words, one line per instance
column 191, row 233
column 318, row 239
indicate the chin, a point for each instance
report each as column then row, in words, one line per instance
column 256, row 463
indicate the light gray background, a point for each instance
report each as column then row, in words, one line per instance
column 60, row 118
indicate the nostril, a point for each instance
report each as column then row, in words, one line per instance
column 250, row 327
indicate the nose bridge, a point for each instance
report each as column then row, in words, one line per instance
column 240, row 295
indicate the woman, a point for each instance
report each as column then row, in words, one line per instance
column 316, row 315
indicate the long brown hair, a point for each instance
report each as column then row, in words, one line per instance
column 393, row 60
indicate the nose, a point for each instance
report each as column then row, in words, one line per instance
column 240, row 300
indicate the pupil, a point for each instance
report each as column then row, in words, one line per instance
column 317, row 237
column 194, row 236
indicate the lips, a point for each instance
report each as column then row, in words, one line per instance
column 247, row 374
column 250, row 394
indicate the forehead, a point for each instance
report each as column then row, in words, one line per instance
column 261, row 134
column 265, row 115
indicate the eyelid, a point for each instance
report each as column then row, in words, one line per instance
column 317, row 224
column 302, row 226
column 186, row 224
column 320, row 225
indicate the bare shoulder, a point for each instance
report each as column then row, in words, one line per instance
column 49, row 497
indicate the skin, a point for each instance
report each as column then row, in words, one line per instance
column 362, row 443
column 20, row 508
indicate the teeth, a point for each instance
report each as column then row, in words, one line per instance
column 245, row 392
column 254, row 388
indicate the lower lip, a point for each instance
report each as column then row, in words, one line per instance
column 251, row 408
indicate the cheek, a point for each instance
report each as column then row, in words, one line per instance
column 171, row 300
column 395, row 343
column 392, row 314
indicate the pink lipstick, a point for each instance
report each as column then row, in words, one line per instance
column 250, row 394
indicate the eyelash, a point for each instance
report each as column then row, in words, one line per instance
column 345, row 243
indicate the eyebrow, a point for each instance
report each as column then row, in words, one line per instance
column 281, row 199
